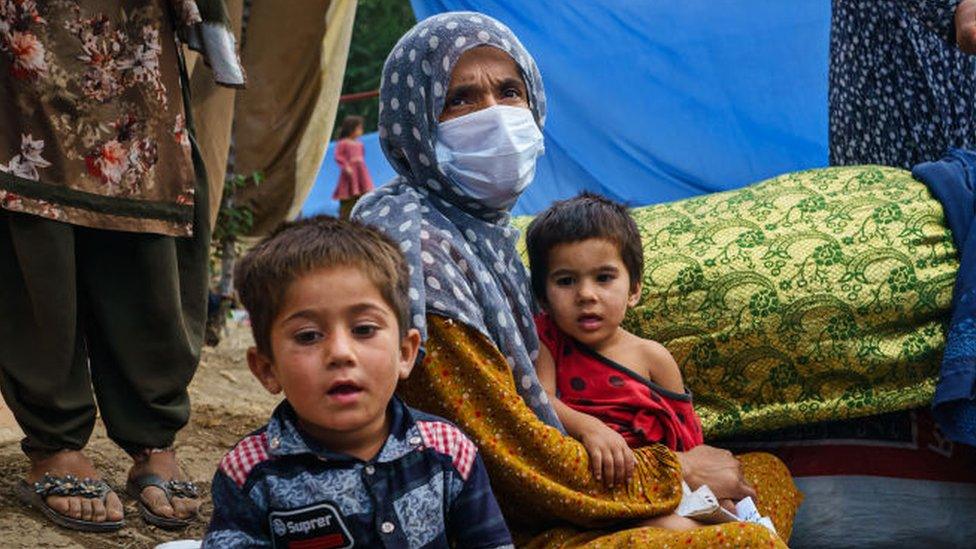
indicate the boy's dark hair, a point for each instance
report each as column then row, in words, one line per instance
column 349, row 125
column 584, row 217
column 262, row 277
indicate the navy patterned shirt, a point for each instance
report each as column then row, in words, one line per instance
column 427, row 487
column 901, row 92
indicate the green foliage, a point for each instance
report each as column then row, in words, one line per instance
column 378, row 26
column 232, row 220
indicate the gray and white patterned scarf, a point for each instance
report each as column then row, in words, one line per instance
column 462, row 256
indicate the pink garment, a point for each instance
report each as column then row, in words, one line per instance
column 355, row 180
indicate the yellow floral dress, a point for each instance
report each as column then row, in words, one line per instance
column 541, row 477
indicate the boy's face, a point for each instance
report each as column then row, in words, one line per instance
column 588, row 290
column 337, row 354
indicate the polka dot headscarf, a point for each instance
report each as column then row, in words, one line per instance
column 462, row 257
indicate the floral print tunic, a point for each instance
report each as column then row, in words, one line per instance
column 92, row 126
column 901, row 92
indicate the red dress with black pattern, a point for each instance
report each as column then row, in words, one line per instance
column 641, row 411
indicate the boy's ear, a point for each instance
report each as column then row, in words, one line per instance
column 409, row 346
column 262, row 368
column 634, row 297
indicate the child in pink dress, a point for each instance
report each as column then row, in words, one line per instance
column 354, row 178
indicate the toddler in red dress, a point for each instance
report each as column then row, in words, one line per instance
column 611, row 389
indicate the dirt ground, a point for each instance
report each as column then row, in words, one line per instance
column 227, row 404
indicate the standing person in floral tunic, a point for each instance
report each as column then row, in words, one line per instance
column 103, row 244
column 902, row 80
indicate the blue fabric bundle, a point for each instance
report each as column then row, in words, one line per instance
column 952, row 181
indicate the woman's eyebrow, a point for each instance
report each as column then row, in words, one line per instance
column 462, row 90
column 512, row 82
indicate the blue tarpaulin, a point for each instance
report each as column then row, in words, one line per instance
column 652, row 101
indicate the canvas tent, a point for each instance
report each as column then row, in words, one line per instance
column 279, row 125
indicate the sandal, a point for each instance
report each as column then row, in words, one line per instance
column 172, row 488
column 35, row 495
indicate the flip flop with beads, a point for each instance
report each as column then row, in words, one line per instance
column 34, row 495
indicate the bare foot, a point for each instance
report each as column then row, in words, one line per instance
column 73, row 462
column 163, row 464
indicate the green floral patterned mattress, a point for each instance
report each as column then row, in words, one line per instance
column 812, row 296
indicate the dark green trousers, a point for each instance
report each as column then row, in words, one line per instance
column 90, row 316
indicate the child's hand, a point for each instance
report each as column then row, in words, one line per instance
column 611, row 460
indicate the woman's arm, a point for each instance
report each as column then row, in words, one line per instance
column 718, row 469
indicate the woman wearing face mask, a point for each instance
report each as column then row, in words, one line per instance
column 462, row 106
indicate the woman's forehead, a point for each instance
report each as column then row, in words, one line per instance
column 484, row 61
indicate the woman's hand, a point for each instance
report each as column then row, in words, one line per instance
column 718, row 469
column 611, row 460
column 966, row 26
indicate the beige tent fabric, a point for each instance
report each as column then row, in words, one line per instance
column 213, row 113
column 295, row 53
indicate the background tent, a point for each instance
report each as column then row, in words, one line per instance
column 295, row 53
column 655, row 101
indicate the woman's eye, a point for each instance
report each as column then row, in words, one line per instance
column 564, row 281
column 512, row 93
column 365, row 330
column 457, row 102
column 308, row 337
column 604, row 277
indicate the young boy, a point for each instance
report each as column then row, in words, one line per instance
column 342, row 461
column 616, row 391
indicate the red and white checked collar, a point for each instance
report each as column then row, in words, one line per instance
column 243, row 458
column 449, row 440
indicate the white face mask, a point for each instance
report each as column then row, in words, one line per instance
column 490, row 153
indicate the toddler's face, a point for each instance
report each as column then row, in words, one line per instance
column 588, row 290
column 337, row 353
